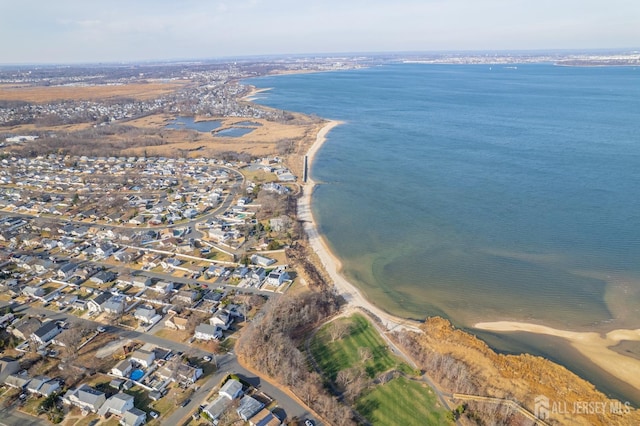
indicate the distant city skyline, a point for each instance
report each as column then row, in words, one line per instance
column 81, row 31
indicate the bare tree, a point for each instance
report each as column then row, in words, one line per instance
column 338, row 330
column 365, row 354
column 72, row 339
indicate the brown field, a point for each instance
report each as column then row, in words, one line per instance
column 139, row 91
column 260, row 142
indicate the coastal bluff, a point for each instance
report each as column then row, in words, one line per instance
column 463, row 364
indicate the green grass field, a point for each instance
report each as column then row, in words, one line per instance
column 343, row 353
column 402, row 402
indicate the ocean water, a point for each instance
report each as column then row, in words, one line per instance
column 481, row 193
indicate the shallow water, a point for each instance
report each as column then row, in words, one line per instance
column 481, row 193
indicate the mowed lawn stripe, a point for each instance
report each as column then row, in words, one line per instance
column 402, row 402
column 344, row 353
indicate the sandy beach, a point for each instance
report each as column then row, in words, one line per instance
column 332, row 264
column 590, row 344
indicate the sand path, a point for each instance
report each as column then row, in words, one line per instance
column 331, row 264
column 590, row 344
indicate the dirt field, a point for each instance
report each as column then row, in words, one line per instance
column 140, row 91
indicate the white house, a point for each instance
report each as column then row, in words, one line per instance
column 144, row 358
column 48, row 331
column 118, row 404
column 122, row 369
column 163, row 287
column 85, row 397
column 221, row 319
column 146, row 314
column 95, row 304
column 256, row 259
column 231, row 389
column 133, row 417
column 207, row 332
column 276, row 278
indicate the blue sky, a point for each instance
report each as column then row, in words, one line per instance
column 66, row 31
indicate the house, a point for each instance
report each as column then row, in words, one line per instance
column 8, row 366
column 264, row 417
column 26, row 327
column 133, row 417
column 117, row 405
column 31, row 291
column 217, row 407
column 208, row 332
column 115, row 305
column 96, row 304
column 50, row 387
column 122, row 369
column 141, row 281
column 144, row 358
column 248, row 407
column 231, row 389
column 151, row 260
column 258, row 275
column 103, row 277
column 163, row 287
column 104, row 249
column 124, row 256
column 46, row 332
column 67, row 270
column 240, row 272
column 184, row 374
column 276, row 278
column 256, row 259
column 85, row 397
column 146, row 314
column 218, row 235
column 66, row 300
column 214, row 296
column 138, row 220
column 170, row 263
column 36, row 383
column 43, row 385
column 214, row 271
column 177, row 322
column 221, row 319
column 19, row 381
column 186, row 296
column 6, row 319
column 190, row 213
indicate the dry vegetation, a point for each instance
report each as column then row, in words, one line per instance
column 45, row 94
column 462, row 363
column 270, row 344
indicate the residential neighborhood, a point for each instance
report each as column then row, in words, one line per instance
column 95, row 248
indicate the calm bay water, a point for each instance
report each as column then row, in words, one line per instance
column 481, row 193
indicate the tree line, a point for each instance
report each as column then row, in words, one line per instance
column 270, row 344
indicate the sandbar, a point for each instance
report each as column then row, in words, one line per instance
column 331, row 263
column 592, row 345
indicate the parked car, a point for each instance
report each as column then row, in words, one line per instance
column 207, row 358
column 101, row 329
column 153, row 414
column 309, row 422
column 185, row 402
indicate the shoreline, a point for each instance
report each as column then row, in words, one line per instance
column 591, row 345
column 330, row 262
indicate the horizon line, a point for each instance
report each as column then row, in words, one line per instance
column 327, row 55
